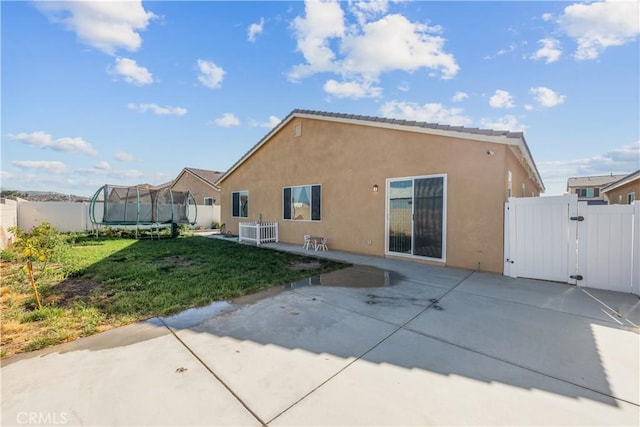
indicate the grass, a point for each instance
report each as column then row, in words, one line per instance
column 104, row 283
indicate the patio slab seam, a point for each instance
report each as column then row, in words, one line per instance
column 356, row 359
column 527, row 368
column 555, row 310
column 212, row 372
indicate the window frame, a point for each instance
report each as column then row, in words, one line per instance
column 445, row 202
column 204, row 201
column 631, row 197
column 233, row 206
column 311, row 204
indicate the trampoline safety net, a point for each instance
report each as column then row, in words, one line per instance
column 143, row 205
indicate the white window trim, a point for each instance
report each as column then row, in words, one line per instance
column 444, row 219
column 213, row 201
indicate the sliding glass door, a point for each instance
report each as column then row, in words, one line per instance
column 416, row 216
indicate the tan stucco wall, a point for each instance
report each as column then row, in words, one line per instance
column 198, row 188
column 347, row 160
column 630, row 187
column 519, row 176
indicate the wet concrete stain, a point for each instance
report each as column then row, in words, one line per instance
column 390, row 300
column 356, row 276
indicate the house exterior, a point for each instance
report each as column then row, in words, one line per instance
column 588, row 188
column 383, row 187
column 201, row 184
column 623, row 191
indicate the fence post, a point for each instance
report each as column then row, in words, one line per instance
column 635, row 254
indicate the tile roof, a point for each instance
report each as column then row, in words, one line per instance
column 624, row 180
column 592, row 181
column 208, row 176
column 401, row 122
column 482, row 134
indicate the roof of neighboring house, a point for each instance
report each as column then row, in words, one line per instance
column 633, row 176
column 207, row 176
column 592, row 181
column 485, row 135
column 163, row 185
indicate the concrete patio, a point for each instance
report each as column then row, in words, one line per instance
column 427, row 346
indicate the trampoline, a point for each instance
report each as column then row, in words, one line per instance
column 142, row 207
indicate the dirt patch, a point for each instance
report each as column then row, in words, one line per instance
column 71, row 290
column 300, row 266
column 176, row 260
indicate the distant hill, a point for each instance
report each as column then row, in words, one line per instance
column 43, row 196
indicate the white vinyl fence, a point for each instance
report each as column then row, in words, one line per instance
column 63, row 216
column 258, row 232
column 561, row 239
column 8, row 219
column 71, row 217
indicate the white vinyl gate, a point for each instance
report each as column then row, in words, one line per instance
column 561, row 239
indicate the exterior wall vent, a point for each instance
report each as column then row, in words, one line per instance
column 297, row 129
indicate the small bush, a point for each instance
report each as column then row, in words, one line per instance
column 7, row 256
column 45, row 313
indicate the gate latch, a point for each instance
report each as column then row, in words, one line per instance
column 577, row 218
column 577, row 277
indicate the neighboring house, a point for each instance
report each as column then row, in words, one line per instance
column 623, row 191
column 201, row 184
column 588, row 188
column 383, row 187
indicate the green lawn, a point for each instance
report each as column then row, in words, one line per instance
column 104, row 283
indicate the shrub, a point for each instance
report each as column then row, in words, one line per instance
column 36, row 248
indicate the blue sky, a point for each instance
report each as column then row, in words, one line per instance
column 127, row 93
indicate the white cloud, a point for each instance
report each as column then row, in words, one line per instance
column 125, row 174
column 395, row 43
column 105, row 166
column 433, row 113
column 459, row 96
column 158, row 110
column 547, row 17
column 367, row 10
column 227, row 120
column 352, row 89
column 362, row 51
column 255, row 30
column 508, row 122
column 270, row 124
column 622, row 160
column 323, row 21
column 600, row 25
column 131, row 72
column 211, row 75
column 546, row 97
column 501, row 99
column 44, row 140
column 107, row 26
column 123, row 157
column 115, row 174
column 404, row 87
column 549, row 50
column 503, row 51
column 41, row 165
